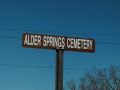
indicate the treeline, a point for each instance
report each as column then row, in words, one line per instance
column 95, row 79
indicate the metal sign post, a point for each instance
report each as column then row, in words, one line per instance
column 60, row 44
column 59, row 69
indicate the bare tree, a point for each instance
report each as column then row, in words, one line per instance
column 71, row 85
column 98, row 80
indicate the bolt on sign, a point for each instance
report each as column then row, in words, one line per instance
column 58, row 42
